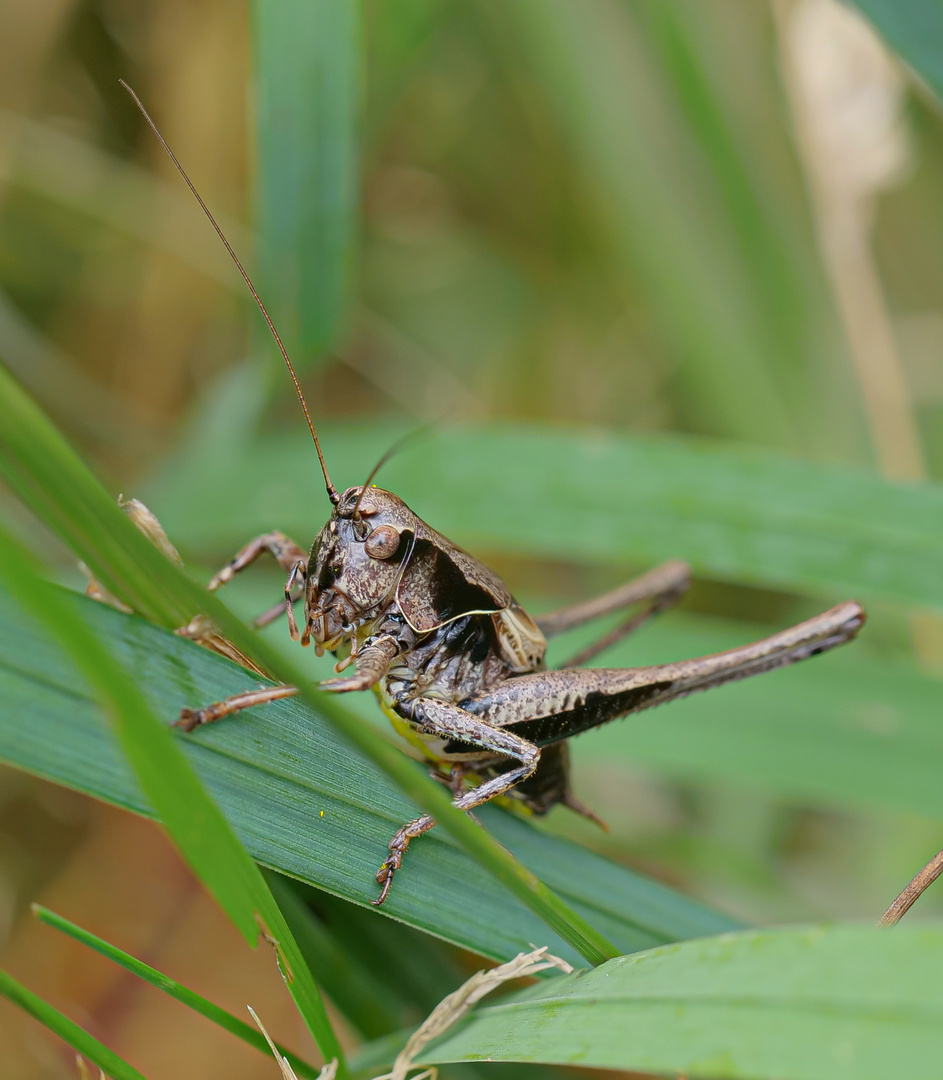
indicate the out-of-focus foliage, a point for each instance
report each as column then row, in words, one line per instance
column 640, row 217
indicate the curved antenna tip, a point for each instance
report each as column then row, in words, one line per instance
column 402, row 441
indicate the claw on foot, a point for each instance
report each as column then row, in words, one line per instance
column 189, row 719
column 385, row 878
column 384, row 875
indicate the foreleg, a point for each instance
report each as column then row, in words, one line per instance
column 373, row 662
column 291, row 558
column 286, row 552
column 272, row 613
column 192, row 718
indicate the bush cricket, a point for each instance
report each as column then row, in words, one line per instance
column 458, row 666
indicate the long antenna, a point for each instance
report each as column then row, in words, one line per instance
column 394, row 449
column 331, row 490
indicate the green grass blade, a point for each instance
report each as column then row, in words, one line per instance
column 149, row 747
column 592, row 496
column 915, row 29
column 682, row 40
column 838, row 731
column 658, row 203
column 181, row 993
column 411, row 970
column 360, row 992
column 308, row 77
column 833, row 1003
column 198, row 828
column 51, row 479
column 88, row 1046
column 272, row 771
column 44, row 471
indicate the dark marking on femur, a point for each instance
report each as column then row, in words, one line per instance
column 597, row 708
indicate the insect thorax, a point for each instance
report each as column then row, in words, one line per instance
column 463, row 658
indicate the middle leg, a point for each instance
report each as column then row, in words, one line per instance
column 193, row 718
column 468, row 733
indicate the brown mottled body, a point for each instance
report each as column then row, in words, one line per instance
column 459, row 666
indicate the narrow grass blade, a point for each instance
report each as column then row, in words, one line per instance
column 176, row 990
column 821, row 1003
column 87, row 1045
column 307, row 58
column 678, row 35
column 618, row 121
column 198, row 828
column 45, row 472
column 361, row 992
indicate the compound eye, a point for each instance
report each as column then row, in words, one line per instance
column 382, row 543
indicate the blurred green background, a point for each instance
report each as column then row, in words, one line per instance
column 615, row 228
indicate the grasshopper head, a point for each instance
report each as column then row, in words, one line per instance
column 356, row 563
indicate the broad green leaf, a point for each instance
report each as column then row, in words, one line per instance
column 193, row 820
column 50, row 478
column 819, row 1003
column 914, row 28
column 308, row 76
column 88, row 1046
column 274, row 770
column 734, row 514
column 181, row 993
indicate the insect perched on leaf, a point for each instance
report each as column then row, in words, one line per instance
column 457, row 664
